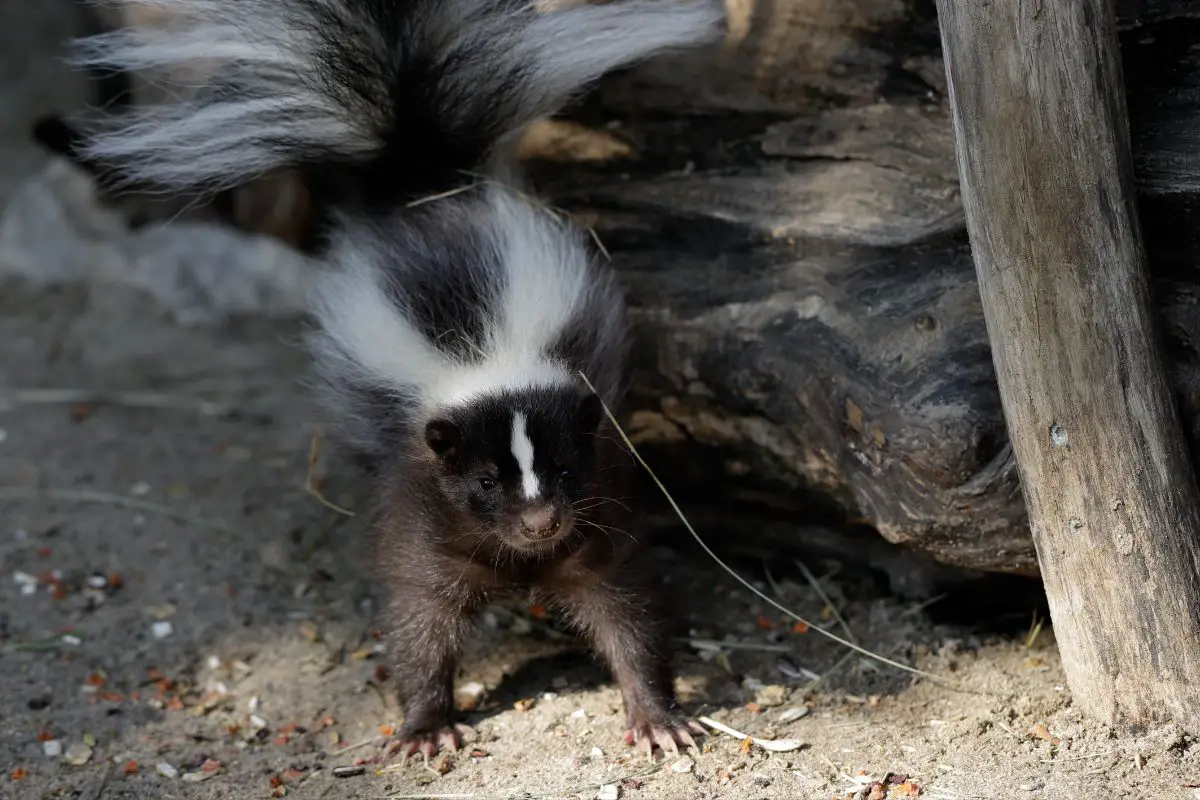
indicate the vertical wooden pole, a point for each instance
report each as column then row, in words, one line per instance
column 1047, row 183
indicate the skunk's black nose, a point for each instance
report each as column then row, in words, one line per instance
column 540, row 523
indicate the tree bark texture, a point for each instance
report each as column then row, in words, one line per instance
column 785, row 211
column 809, row 310
column 1036, row 93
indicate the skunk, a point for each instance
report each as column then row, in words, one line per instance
column 456, row 315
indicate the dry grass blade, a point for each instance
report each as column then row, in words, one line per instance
column 751, row 587
column 310, row 480
column 1082, row 757
column 356, row 746
column 1035, row 630
column 533, row 202
column 952, row 794
column 440, row 195
column 774, row 745
column 595, row 238
column 816, row 586
column 924, row 604
column 815, row 682
column 109, row 499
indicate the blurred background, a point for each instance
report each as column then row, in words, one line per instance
column 183, row 612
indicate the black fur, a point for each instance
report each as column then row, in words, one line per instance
column 447, row 279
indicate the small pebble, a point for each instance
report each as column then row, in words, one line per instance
column 773, row 695
column 166, row 770
column 74, row 641
column 597, row 752
column 753, row 684
column 52, row 748
column 163, row 611
column 238, row 453
column 162, row 630
column 97, row 581
column 684, row 764
column 549, row 695
column 793, row 714
column 140, row 489
column 3, row 435
column 274, row 555
column 348, row 772
column 252, row 706
column 609, row 791
column 470, row 694
column 579, row 713
column 78, row 754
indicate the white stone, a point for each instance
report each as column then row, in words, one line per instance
column 54, row 230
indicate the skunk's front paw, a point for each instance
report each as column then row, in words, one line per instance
column 668, row 732
column 429, row 741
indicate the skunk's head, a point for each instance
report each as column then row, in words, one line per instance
column 519, row 464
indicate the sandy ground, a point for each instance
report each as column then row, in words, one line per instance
column 179, row 619
column 194, row 606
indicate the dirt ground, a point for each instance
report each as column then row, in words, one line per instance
column 183, row 620
column 180, row 619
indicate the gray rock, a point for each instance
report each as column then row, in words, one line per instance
column 54, row 230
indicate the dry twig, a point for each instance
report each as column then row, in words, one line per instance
column 310, row 479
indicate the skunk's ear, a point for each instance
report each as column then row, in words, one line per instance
column 444, row 438
column 589, row 416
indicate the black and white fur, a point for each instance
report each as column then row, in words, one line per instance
column 456, row 314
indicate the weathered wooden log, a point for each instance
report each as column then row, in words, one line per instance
column 786, row 212
column 1043, row 148
column 809, row 310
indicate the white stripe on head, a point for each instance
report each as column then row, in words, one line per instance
column 522, row 450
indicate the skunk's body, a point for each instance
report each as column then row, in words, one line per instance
column 456, row 313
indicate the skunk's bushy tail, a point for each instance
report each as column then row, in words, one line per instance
column 381, row 96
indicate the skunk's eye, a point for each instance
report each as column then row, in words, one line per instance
column 487, row 484
column 565, row 475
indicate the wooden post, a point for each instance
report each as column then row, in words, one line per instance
column 1042, row 140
